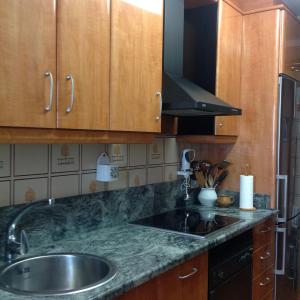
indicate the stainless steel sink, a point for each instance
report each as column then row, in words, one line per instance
column 56, row 274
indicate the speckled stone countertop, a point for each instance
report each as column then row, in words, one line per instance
column 140, row 253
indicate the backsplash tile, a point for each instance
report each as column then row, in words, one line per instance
column 35, row 172
column 64, row 186
column 89, row 155
column 65, row 158
column 137, row 177
column 30, row 159
column 29, row 190
column 5, row 193
column 4, row 160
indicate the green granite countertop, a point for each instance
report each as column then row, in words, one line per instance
column 140, row 253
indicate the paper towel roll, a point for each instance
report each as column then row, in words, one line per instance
column 246, row 191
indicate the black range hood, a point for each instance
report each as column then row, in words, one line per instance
column 190, row 37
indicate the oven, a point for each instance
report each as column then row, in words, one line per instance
column 230, row 269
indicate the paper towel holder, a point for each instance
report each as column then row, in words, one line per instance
column 106, row 171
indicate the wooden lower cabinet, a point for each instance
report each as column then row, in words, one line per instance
column 263, row 260
column 187, row 281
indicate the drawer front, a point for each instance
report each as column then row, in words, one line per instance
column 269, row 296
column 264, row 233
column 263, row 258
column 263, row 285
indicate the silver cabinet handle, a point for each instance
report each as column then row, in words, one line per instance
column 158, row 94
column 280, row 271
column 266, row 282
column 295, row 69
column 268, row 254
column 195, row 270
column 49, row 106
column 285, row 178
column 268, row 229
column 69, row 108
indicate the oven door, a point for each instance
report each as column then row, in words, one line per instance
column 236, row 287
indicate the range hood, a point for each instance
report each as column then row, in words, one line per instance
column 182, row 91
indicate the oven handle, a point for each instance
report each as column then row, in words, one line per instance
column 280, row 271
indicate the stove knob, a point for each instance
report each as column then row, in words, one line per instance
column 221, row 274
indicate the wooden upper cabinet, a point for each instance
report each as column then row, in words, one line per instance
column 290, row 46
column 27, row 51
column 136, row 65
column 229, row 52
column 83, row 50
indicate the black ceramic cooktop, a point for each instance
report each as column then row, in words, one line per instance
column 189, row 221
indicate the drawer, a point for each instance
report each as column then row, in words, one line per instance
column 263, row 285
column 263, row 258
column 268, row 296
column 264, row 233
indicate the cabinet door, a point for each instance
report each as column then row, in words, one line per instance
column 228, row 81
column 83, row 29
column 136, row 65
column 290, row 48
column 28, row 56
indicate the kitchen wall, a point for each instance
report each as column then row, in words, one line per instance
column 34, row 172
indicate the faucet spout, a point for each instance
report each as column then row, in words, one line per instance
column 12, row 245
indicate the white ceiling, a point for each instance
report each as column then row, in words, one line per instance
column 294, row 5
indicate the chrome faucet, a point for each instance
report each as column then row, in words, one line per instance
column 13, row 247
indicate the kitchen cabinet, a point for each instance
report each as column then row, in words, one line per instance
column 228, row 75
column 290, row 48
column 83, row 52
column 28, row 57
column 263, row 260
column 136, row 65
column 188, row 280
column 89, row 65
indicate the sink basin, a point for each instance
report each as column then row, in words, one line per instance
column 56, row 274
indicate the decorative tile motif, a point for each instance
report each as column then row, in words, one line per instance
column 170, row 173
column 65, row 158
column 29, row 190
column 171, row 151
column 137, row 155
column 5, row 193
column 156, row 152
column 64, row 186
column 4, row 160
column 31, row 159
column 118, row 154
column 137, row 177
column 121, row 183
column 155, row 175
column 90, row 184
column 89, row 156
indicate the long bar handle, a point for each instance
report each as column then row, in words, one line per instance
column 194, row 271
column 69, row 108
column 158, row 94
column 281, row 271
column 285, row 178
column 50, row 76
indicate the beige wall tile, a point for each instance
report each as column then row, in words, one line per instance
column 64, row 186
column 4, row 160
column 31, row 159
column 156, row 152
column 137, row 177
column 29, row 190
column 65, row 158
column 171, row 151
column 5, row 193
column 121, row 183
column 170, row 173
column 89, row 156
column 137, row 155
column 155, row 175
column 118, row 154
column 90, row 184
